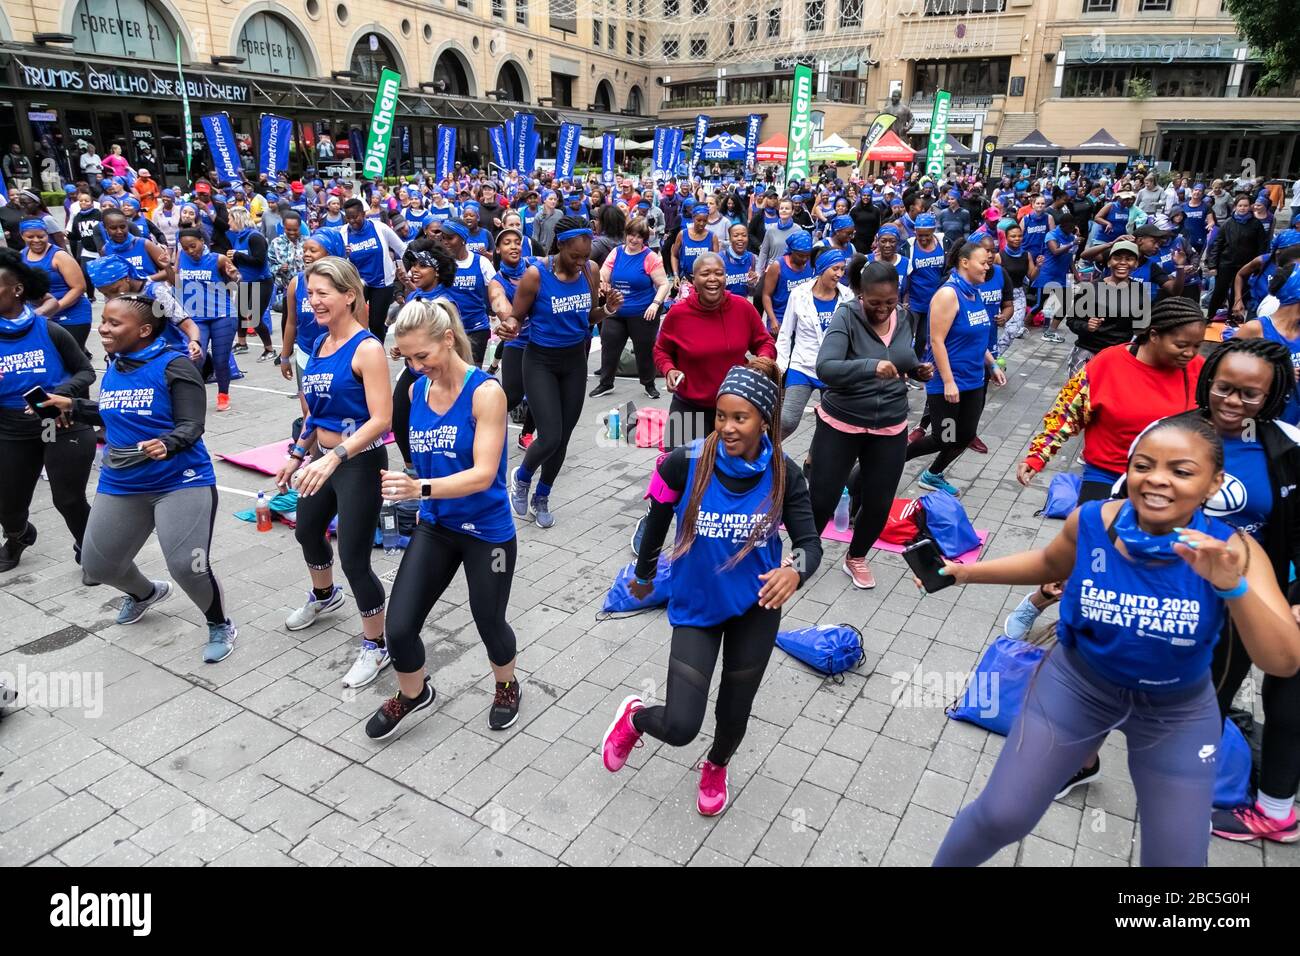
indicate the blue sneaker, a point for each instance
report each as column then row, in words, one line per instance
column 542, row 511
column 932, row 482
column 221, row 641
column 1021, row 620
column 132, row 610
column 518, row 494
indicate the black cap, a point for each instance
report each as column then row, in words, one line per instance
column 1151, row 231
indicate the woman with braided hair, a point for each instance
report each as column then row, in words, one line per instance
column 730, row 493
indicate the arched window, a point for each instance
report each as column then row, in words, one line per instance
column 511, row 79
column 634, row 101
column 136, row 29
column 451, row 70
column 371, row 56
column 269, row 44
column 604, row 97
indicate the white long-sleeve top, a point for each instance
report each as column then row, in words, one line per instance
column 800, row 338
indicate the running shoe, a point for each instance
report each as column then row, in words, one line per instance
column 600, row 389
column 306, row 615
column 370, row 661
column 518, row 494
column 915, row 435
column 239, row 348
column 1084, row 776
column 1020, row 620
column 978, row 446
column 621, row 737
column 221, row 641
column 933, row 482
column 1050, row 336
column 266, row 354
column 223, row 402
column 132, row 610
column 505, row 705
column 859, row 573
column 542, row 511
column 713, row 789
column 638, row 534
column 652, row 393
column 388, row 718
column 524, row 440
column 1250, row 822
column 13, row 548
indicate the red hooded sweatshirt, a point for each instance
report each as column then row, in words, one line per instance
column 706, row 343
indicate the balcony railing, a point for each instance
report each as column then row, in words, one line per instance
column 743, row 92
column 957, row 102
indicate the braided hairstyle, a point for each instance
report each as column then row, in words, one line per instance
column 704, row 474
column 1274, row 353
column 564, row 224
column 146, row 311
column 1169, row 313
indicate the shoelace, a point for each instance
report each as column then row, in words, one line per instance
column 394, row 708
column 1255, row 821
column 506, row 695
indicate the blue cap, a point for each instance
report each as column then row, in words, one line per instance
column 841, row 222
column 801, row 241
column 926, row 221
column 69, row 189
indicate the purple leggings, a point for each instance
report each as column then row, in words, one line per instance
column 1068, row 712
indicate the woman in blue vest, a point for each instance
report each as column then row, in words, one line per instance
column 807, row 317
column 1252, row 279
column 1196, row 212
column 156, row 472
column 959, row 348
column 350, row 403
column 458, row 440
column 146, row 257
column 926, row 269
column 886, row 251
column 1283, row 326
column 1148, row 580
column 558, row 297
column 37, row 351
column 1055, row 270
column 740, row 262
column 477, row 297
column 478, row 240
column 512, row 263
column 68, row 306
column 203, row 281
column 730, row 493
column 248, row 248
column 689, row 244
column 637, row 272
column 112, row 276
column 784, row 274
column 1113, row 216
column 1036, row 225
column 371, row 248
column 301, row 329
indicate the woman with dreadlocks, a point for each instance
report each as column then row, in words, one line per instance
column 730, row 493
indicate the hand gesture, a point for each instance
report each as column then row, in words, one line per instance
column 285, row 475
column 999, row 377
column 778, row 585
column 154, row 448
column 673, row 380
column 1024, row 474
column 1214, row 560
column 886, row 369
column 315, row 475
column 613, row 301
column 923, row 372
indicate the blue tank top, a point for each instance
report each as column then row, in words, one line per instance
column 528, row 216
column 1056, row 268
column 1147, row 626
column 900, row 266
column 924, row 276
column 239, row 243
column 136, row 406
column 204, row 292
column 366, row 252
column 1194, row 227
column 1117, row 216
column 721, row 529
column 29, row 360
column 1290, row 414
column 76, row 314
column 308, row 330
column 443, row 445
column 441, row 213
column 789, row 280
column 966, row 343
column 560, row 316
column 1035, row 230
column 990, row 291
column 510, row 285
column 825, row 309
column 738, row 269
column 418, row 219
column 691, row 250
column 1257, row 285
column 1245, row 500
column 335, row 396
column 172, row 334
column 470, row 294
column 629, row 277
column 133, row 250
column 479, row 241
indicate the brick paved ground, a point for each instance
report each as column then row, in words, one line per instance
column 262, row 759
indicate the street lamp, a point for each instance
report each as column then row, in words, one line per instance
column 226, row 60
column 44, row 39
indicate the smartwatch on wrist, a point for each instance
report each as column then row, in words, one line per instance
column 426, row 489
column 340, row 452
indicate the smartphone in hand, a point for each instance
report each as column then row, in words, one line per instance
column 926, row 562
column 34, row 397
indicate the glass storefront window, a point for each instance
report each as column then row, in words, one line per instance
column 1202, row 80
column 975, row 77
column 370, row 57
column 135, row 29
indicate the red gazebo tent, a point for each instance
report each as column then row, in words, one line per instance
column 773, row 150
column 890, row 149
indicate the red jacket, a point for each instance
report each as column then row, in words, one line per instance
column 706, row 343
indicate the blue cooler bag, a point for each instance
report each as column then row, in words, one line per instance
column 1062, row 496
column 1232, row 772
column 996, row 691
column 620, row 600
column 827, row 648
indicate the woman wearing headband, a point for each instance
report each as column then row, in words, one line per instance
column 478, row 239
column 730, row 493
column 1283, row 325
column 476, row 296
column 300, row 327
column 807, row 317
column 690, row 243
column 784, row 275
column 888, row 238
column 146, row 257
column 203, row 282
column 926, row 271
column 67, row 304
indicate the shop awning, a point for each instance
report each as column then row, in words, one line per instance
column 953, row 148
column 890, row 149
column 833, row 149
column 773, row 150
column 1035, row 144
column 1101, row 143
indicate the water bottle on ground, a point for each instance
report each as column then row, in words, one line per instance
column 263, row 512
column 614, row 424
column 842, row 512
column 388, row 524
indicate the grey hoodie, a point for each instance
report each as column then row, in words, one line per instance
column 847, row 364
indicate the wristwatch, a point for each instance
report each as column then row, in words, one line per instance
column 426, row 489
column 340, row 452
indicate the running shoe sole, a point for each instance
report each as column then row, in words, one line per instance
column 1074, row 784
column 148, row 607
column 726, row 801
column 860, row 587
column 1290, row 837
column 406, row 721
column 323, row 611
column 618, row 715
column 365, row 683
column 929, row 487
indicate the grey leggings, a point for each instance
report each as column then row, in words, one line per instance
column 793, row 403
column 1172, row 739
column 121, row 524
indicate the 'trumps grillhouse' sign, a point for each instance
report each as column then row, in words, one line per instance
column 66, row 77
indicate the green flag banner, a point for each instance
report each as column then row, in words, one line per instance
column 879, row 125
column 381, row 124
column 800, row 136
column 938, row 135
column 185, row 103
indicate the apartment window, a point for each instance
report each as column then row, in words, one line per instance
column 751, row 28
column 521, row 11
column 464, row 4
column 672, row 8
column 850, row 13
column 672, row 48
column 611, row 33
column 700, row 7
column 731, row 35
column 562, row 89
column 960, row 8
column 981, row 77
column 699, row 47
column 499, row 9
column 597, row 33
column 774, row 22
column 631, row 43
column 641, row 45
column 1155, row 6
column 815, row 16
column 1098, row 6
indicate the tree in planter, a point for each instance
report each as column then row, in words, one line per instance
column 1272, row 28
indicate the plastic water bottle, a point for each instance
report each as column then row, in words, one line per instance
column 263, row 512
column 388, row 524
column 613, row 424
column 842, row 512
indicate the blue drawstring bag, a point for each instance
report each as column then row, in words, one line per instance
column 1062, row 496
column 1232, row 772
column 620, row 600
column 947, row 524
column 829, row 649
column 996, row 691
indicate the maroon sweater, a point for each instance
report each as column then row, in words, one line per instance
column 706, row 343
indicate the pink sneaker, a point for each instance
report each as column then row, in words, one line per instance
column 860, row 572
column 713, row 789
column 621, row 737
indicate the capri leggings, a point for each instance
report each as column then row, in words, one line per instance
column 554, row 380
column 512, row 380
column 353, row 493
column 1068, row 712
column 746, row 643
column 121, row 524
column 220, row 334
column 428, row 566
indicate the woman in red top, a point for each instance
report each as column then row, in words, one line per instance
column 1121, row 391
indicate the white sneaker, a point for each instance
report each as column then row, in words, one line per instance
column 370, row 662
column 306, row 615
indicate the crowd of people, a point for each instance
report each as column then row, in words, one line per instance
column 384, row 304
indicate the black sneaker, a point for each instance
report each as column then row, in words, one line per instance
column 600, row 389
column 239, row 348
column 13, row 548
column 1086, row 775
column 505, row 705
column 397, row 708
column 652, row 393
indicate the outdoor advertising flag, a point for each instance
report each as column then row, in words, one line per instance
column 523, row 141
column 675, row 148
column 446, row 151
column 509, row 129
column 566, row 149
column 185, row 106
column 879, row 125
column 752, row 127
column 381, row 124
column 701, row 131
column 607, row 158
column 500, row 149
column 800, row 135
column 530, row 156
column 221, row 143
column 986, row 157
column 277, row 134
column 938, row 135
column 662, row 137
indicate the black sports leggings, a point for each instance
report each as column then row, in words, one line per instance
column 402, row 412
column 746, row 643
column 961, row 421
column 1224, row 292
column 554, row 380
column 67, row 462
column 478, row 342
column 512, row 380
column 378, row 299
column 614, row 333
column 353, row 493
column 880, row 460
column 427, row 567
column 79, row 335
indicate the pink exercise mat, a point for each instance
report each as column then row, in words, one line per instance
column 267, row 459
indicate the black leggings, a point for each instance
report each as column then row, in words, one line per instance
column 67, row 462
column 356, row 482
column 402, row 412
column 614, row 333
column 478, row 342
column 79, row 335
column 961, row 421
column 746, row 643
column 554, row 380
column 1224, row 292
column 921, row 331
column 253, row 299
column 687, row 422
column 378, row 299
column 880, row 460
column 512, row 380
column 428, row 566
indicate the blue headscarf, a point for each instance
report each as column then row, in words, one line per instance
column 1289, row 294
column 888, row 229
column 107, row 270
column 831, row 257
column 926, row 221
column 329, row 240
column 800, row 241
column 841, row 222
column 1285, row 239
column 32, row 224
column 456, row 229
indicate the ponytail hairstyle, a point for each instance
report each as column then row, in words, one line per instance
column 435, row 317
column 564, row 224
column 704, row 474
